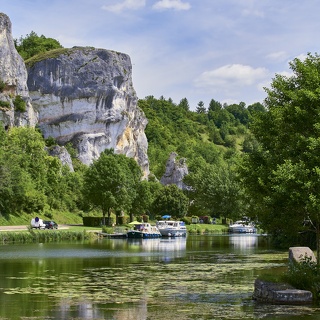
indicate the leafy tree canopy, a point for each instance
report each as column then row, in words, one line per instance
column 282, row 176
column 111, row 182
column 171, row 200
column 32, row 44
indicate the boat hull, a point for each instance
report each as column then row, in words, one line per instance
column 244, row 229
column 173, row 233
column 142, row 235
column 172, row 228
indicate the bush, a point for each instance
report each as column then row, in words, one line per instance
column 92, row 221
column 4, row 104
column 2, row 85
column 19, row 104
column 48, row 215
column 305, row 276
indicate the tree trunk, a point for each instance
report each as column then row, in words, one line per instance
column 109, row 216
column 104, row 217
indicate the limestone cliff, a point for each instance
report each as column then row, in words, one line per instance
column 175, row 172
column 79, row 95
column 13, row 80
column 85, row 96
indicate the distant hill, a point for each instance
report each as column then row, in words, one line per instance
column 212, row 134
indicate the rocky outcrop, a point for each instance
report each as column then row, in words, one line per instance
column 13, row 81
column 81, row 95
column 85, row 96
column 62, row 154
column 175, row 172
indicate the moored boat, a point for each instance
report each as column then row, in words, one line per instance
column 171, row 228
column 144, row 230
column 242, row 227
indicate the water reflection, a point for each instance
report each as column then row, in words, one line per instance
column 160, row 244
column 204, row 277
column 244, row 242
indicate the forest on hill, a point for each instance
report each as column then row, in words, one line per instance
column 212, row 139
column 261, row 161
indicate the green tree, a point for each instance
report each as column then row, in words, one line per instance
column 214, row 105
column 215, row 190
column 171, row 200
column 110, row 183
column 201, row 108
column 32, row 44
column 25, row 165
column 184, row 104
column 145, row 196
column 282, row 178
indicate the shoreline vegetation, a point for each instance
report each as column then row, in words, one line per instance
column 80, row 232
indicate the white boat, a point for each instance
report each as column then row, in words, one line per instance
column 171, row 228
column 242, row 227
column 144, row 230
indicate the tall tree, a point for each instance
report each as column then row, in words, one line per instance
column 215, row 190
column 214, row 105
column 184, row 104
column 110, row 183
column 282, row 178
column 201, row 108
column 171, row 200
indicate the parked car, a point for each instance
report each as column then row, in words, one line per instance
column 50, row 224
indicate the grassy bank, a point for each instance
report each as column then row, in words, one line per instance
column 207, row 228
column 24, row 218
column 32, row 235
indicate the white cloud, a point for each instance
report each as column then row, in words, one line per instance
column 127, row 4
column 231, row 75
column 171, row 4
column 302, row 56
column 278, row 56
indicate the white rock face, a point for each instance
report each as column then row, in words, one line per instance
column 85, row 96
column 14, row 73
column 175, row 172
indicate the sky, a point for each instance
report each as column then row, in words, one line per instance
column 226, row 50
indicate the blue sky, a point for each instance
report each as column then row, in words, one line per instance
column 226, row 50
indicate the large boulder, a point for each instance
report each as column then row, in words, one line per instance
column 297, row 254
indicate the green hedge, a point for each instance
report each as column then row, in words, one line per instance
column 92, row 221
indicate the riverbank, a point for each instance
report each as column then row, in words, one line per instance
column 35, row 235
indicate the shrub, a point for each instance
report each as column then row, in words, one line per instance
column 48, row 215
column 305, row 275
column 50, row 141
column 4, row 104
column 19, row 104
column 2, row 85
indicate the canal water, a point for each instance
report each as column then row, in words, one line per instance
column 198, row 277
